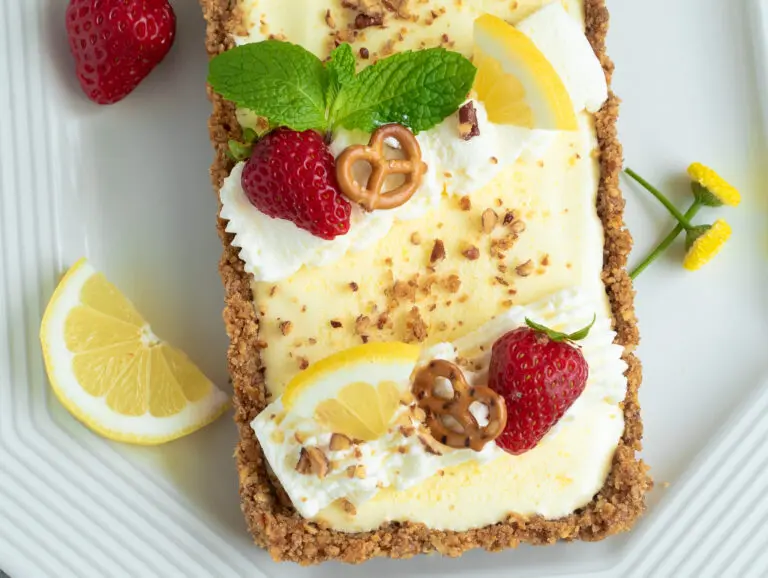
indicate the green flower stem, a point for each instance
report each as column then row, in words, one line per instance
column 668, row 240
column 682, row 219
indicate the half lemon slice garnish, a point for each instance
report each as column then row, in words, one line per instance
column 354, row 392
column 516, row 82
column 112, row 373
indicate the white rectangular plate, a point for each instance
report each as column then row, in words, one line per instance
column 127, row 186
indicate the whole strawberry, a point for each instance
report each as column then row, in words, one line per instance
column 117, row 43
column 292, row 175
column 539, row 373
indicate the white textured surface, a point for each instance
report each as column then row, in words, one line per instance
column 75, row 179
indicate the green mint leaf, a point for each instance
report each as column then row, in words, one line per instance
column 341, row 70
column 278, row 80
column 416, row 89
column 559, row 336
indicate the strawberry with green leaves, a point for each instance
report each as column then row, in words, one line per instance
column 306, row 100
column 540, row 373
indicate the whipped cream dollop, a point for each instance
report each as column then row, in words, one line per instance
column 561, row 38
column 401, row 462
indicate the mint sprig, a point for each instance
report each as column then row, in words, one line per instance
column 291, row 87
column 416, row 89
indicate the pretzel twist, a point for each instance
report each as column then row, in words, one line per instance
column 371, row 196
column 472, row 434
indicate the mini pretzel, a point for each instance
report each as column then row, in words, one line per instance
column 372, row 196
column 472, row 435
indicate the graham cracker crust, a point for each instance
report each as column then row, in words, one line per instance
column 271, row 519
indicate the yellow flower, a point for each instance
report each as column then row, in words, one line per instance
column 706, row 245
column 715, row 185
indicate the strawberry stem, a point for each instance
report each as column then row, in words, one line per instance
column 558, row 335
column 682, row 219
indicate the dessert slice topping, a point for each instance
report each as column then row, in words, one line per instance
column 444, row 394
column 540, row 373
column 292, row 175
column 373, row 196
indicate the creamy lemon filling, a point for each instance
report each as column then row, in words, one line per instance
column 459, row 489
column 442, row 276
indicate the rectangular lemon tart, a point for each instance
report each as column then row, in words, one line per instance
column 424, row 260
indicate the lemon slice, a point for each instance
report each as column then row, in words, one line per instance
column 112, row 373
column 354, row 392
column 516, row 82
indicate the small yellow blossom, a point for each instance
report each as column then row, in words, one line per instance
column 715, row 184
column 707, row 245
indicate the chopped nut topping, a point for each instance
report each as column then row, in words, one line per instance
column 329, row 20
column 364, row 21
column 415, row 327
column 286, row 327
column 509, row 217
column 545, row 260
column 472, row 253
column 465, row 203
column 364, row 53
column 335, row 323
column 273, row 290
column 383, row 320
column 501, row 281
column 364, row 338
column 404, row 291
column 303, row 363
column 517, row 226
column 416, row 238
column 452, row 283
column 312, row 460
column 494, row 161
column 347, row 506
column 430, row 445
column 498, row 246
column 525, row 269
column 312, row 340
column 407, row 430
column 468, row 127
column 362, row 323
column 354, row 286
column 356, row 472
column 489, row 220
column 402, row 449
column 261, row 344
column 438, row 252
column 507, row 303
column 339, row 442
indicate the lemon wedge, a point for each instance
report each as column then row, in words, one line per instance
column 354, row 392
column 516, row 82
column 112, row 373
